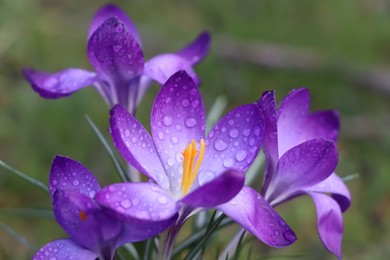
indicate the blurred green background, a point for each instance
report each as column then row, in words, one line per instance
column 340, row 50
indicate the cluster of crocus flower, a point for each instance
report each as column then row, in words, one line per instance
column 188, row 170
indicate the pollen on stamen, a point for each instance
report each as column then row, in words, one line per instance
column 191, row 164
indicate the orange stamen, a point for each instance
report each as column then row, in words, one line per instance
column 191, row 164
column 83, row 215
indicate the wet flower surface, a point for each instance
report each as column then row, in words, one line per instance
column 94, row 231
column 121, row 75
column 192, row 170
column 301, row 157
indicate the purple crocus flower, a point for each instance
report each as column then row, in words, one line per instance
column 94, row 231
column 301, row 157
column 114, row 50
column 192, row 171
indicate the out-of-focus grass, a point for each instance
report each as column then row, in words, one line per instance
column 51, row 35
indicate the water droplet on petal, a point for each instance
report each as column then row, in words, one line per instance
column 119, row 27
column 246, row 131
column 126, row 204
column 174, row 139
column 185, row 102
column 135, row 201
column 76, row 182
column 160, row 135
column 163, row 200
column 127, row 133
column 167, row 120
column 170, row 161
column 234, row 132
column 220, row 145
column 229, row 162
column 289, row 236
column 190, row 122
column 134, row 140
column 241, row 155
column 231, row 122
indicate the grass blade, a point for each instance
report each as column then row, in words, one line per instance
column 21, row 239
column 25, row 212
column 110, row 151
column 24, row 176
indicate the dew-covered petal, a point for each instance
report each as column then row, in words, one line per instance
column 111, row 10
column 68, row 174
column 161, row 67
column 137, row 202
column 329, row 222
column 302, row 166
column 267, row 105
column 291, row 119
column 59, row 84
column 64, row 249
column 84, row 221
column 197, row 49
column 322, row 124
column 337, row 188
column 253, row 213
column 136, row 145
column 177, row 118
column 114, row 53
column 217, row 191
column 234, row 142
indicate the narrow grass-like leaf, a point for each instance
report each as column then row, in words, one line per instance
column 195, row 237
column 203, row 241
column 351, row 177
column 239, row 246
column 254, row 170
column 24, row 176
column 110, row 151
column 148, row 249
column 131, row 250
column 216, row 111
column 25, row 212
column 17, row 236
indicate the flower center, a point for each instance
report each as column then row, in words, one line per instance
column 191, row 164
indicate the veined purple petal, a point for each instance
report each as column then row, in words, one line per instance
column 161, row 67
column 234, row 142
column 337, row 188
column 322, row 124
column 64, row 249
column 114, row 53
column 267, row 105
column 302, row 166
column 84, row 221
column 177, row 118
column 67, row 174
column 137, row 202
column 136, row 145
column 329, row 222
column 197, row 49
column 59, row 84
column 108, row 11
column 252, row 212
column 217, row 191
column 291, row 119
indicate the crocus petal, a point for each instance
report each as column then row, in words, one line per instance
column 114, row 53
column 84, row 221
column 252, row 212
column 329, row 222
column 302, row 166
column 161, row 67
column 177, row 118
column 322, row 124
column 291, row 119
column 137, row 202
column 60, row 84
column 111, row 10
column 217, row 191
column 197, row 49
column 235, row 140
column 136, row 145
column 67, row 174
column 64, row 249
column 335, row 186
